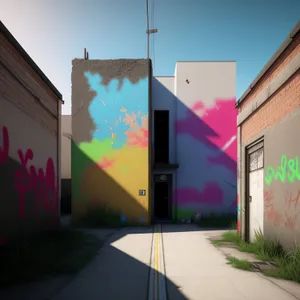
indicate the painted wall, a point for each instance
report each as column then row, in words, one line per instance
column 282, row 181
column 206, row 134
column 66, row 187
column 29, row 143
column 66, row 135
column 110, row 153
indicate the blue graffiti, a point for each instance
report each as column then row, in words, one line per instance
column 107, row 107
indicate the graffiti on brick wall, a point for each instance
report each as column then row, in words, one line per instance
column 30, row 178
column 288, row 170
column 118, row 151
column 286, row 218
column 211, row 134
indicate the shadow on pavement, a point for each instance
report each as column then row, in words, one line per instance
column 119, row 271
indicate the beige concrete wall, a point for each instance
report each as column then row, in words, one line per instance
column 66, row 132
column 29, row 147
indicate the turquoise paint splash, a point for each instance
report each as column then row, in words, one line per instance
column 106, row 108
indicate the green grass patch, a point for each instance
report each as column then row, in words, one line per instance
column 64, row 251
column 218, row 221
column 288, row 264
column 240, row 263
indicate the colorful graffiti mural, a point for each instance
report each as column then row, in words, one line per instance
column 208, row 182
column 109, row 170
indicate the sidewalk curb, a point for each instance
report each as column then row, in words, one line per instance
column 270, row 279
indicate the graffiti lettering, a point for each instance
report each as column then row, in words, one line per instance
column 268, row 197
column 290, row 221
column 42, row 183
column 271, row 213
column 274, row 216
column 4, row 152
column 289, row 199
column 288, row 169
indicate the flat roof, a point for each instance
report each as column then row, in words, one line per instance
column 204, row 61
column 29, row 60
column 270, row 63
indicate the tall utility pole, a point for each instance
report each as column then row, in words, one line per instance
column 149, row 31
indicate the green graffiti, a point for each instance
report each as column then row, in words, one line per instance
column 96, row 149
column 287, row 170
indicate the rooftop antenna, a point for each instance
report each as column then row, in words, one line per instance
column 86, row 54
column 149, row 31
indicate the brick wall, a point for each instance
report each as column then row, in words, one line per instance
column 280, row 104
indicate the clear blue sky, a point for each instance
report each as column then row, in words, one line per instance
column 54, row 32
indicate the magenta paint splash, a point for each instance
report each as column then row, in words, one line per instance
column 216, row 128
column 212, row 194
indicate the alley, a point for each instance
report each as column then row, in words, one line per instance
column 194, row 269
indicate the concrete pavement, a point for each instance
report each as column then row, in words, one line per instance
column 193, row 269
column 200, row 271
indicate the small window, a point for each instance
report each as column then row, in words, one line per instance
column 161, row 136
column 256, row 160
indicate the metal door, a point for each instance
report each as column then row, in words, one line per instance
column 256, row 193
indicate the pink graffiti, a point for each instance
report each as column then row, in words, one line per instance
column 106, row 163
column 138, row 138
column 43, row 184
column 4, row 152
column 212, row 194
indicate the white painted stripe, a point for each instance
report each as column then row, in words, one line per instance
column 228, row 143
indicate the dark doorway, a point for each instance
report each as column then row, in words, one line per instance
column 161, row 136
column 162, row 198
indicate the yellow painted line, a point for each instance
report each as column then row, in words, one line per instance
column 157, row 289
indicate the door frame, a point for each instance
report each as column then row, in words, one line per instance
column 169, row 180
column 258, row 144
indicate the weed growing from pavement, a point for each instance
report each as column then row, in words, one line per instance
column 64, row 251
column 240, row 263
column 288, row 263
